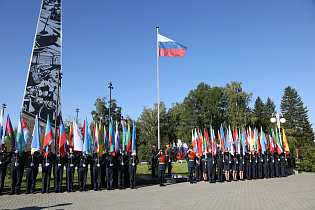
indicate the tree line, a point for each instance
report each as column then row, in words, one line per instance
column 205, row 106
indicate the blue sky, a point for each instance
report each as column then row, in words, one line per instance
column 267, row 45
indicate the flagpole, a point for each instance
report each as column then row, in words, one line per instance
column 158, row 85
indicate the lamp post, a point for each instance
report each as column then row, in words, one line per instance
column 110, row 99
column 278, row 118
column 77, row 111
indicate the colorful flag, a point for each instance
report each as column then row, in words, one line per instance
column 262, row 142
column 86, row 146
column 10, row 134
column 49, row 137
column 77, row 138
column 20, row 137
column 244, row 141
column 111, row 138
column 285, row 143
column 278, row 142
column 100, row 139
column 1, row 127
column 117, row 143
column 170, row 48
column 27, row 135
column 105, row 138
column 63, row 146
column 133, row 147
column 128, row 139
column 71, row 134
column 124, row 137
column 36, row 145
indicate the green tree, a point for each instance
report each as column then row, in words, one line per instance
column 203, row 106
column 237, row 110
column 297, row 127
column 270, row 108
column 173, row 120
column 102, row 111
column 147, row 129
column 259, row 115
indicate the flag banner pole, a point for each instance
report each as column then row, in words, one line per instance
column 158, row 85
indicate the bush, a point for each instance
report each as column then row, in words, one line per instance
column 308, row 160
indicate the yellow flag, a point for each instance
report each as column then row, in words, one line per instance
column 285, row 143
column 100, row 138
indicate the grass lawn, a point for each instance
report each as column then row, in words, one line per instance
column 178, row 169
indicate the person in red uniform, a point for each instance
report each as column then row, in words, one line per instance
column 161, row 166
column 191, row 160
column 168, row 155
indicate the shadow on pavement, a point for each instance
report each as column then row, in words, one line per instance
column 37, row 207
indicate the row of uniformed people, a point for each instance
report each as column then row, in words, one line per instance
column 56, row 162
column 255, row 166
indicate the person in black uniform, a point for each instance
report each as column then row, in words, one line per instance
column 133, row 162
column 82, row 171
column 110, row 161
column 235, row 166
column 219, row 161
column 254, row 165
column 16, row 160
column 272, row 166
column 153, row 159
column 248, row 164
column 198, row 167
column 227, row 166
column 283, row 166
column 204, row 167
column 47, row 164
column 266, row 165
column 260, row 165
column 98, row 163
column 59, row 163
column 277, row 167
column 29, row 168
column 122, row 161
column 4, row 161
column 211, row 165
column 241, row 167
column 72, row 160
column 22, row 167
column 36, row 161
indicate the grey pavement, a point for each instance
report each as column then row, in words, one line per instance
column 293, row 192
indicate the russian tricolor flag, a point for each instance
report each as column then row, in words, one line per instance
column 170, row 48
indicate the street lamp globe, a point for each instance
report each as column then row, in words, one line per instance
column 273, row 120
column 282, row 120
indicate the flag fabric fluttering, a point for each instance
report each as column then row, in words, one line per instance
column 100, row 139
column 63, row 140
column 111, row 138
column 278, row 142
column 36, row 145
column 27, row 135
column 10, row 134
column 124, row 137
column 133, row 147
column 285, row 143
column 77, row 138
column 86, row 143
column 117, row 143
column 128, row 139
column 105, row 138
column 20, row 137
column 1, row 126
column 49, row 137
column 170, row 48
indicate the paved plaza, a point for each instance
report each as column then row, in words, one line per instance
column 293, row 192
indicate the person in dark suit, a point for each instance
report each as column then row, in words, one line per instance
column 72, row 161
column 248, row 164
column 59, row 163
column 16, row 160
column 211, row 165
column 133, row 162
column 4, row 161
